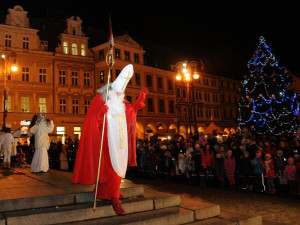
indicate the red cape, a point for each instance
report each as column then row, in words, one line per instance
column 87, row 156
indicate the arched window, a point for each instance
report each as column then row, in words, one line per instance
column 74, row 49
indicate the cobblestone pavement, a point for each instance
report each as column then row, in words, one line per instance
column 274, row 209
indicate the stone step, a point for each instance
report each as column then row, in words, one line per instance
column 167, row 210
column 230, row 218
column 156, row 216
column 241, row 218
column 85, row 211
column 162, row 216
column 63, row 199
column 214, row 221
column 210, row 214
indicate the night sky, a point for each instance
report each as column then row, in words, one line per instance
column 221, row 34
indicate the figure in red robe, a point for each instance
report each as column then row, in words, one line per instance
column 119, row 140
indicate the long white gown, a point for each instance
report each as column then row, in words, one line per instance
column 40, row 161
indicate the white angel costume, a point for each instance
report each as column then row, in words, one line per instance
column 40, row 161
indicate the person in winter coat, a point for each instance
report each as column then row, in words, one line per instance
column 245, row 171
column 230, row 164
column 220, row 170
column 297, row 163
column 290, row 174
column 208, row 162
column 258, row 171
column 270, row 173
column 269, row 148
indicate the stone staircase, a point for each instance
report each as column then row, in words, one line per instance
column 77, row 208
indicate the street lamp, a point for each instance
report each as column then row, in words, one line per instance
column 186, row 73
column 7, row 71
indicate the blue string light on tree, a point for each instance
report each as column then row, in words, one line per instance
column 267, row 105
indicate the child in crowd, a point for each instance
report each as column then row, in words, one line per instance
column 290, row 174
column 63, row 160
column 245, row 171
column 297, row 162
column 258, row 171
column 220, row 170
column 208, row 163
column 229, row 164
column 270, row 173
column 20, row 157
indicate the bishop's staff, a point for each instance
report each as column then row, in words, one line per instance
column 110, row 62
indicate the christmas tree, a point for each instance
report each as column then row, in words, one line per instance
column 268, row 105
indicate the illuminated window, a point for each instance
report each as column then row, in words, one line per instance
column 83, row 52
column 8, row 103
column 77, row 132
column 43, row 105
column 61, row 131
column 25, row 104
column 74, row 49
column 65, row 47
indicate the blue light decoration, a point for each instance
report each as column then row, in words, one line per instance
column 268, row 105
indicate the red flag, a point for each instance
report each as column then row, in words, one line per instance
column 111, row 36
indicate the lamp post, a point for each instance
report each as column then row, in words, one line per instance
column 186, row 73
column 7, row 71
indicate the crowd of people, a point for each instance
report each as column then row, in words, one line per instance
column 264, row 164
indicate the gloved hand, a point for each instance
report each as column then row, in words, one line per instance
column 144, row 90
column 104, row 109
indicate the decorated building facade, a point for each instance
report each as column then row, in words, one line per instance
column 62, row 82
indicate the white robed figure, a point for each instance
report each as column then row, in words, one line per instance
column 40, row 161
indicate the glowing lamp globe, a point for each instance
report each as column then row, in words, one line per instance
column 187, row 76
column 178, row 77
column 14, row 68
column 196, row 76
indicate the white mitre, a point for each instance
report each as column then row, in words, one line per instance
column 123, row 78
